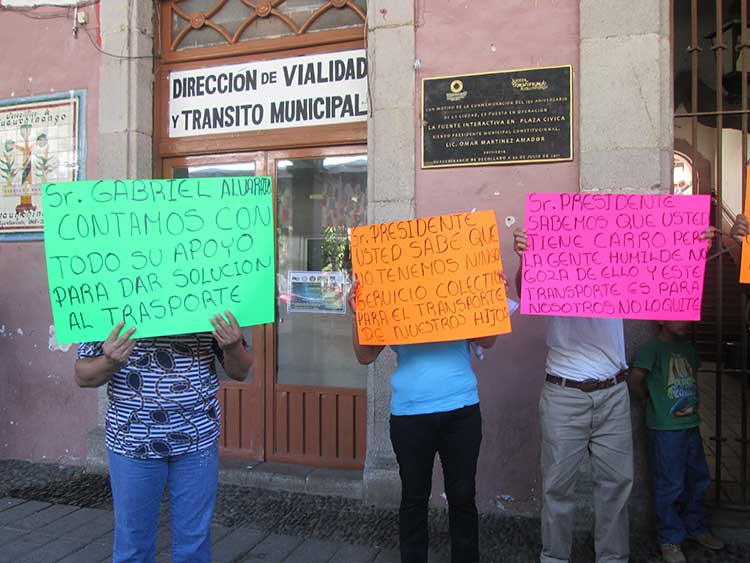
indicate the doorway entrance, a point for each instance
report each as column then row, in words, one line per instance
column 306, row 401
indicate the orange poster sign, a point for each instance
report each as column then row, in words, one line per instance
column 745, row 262
column 429, row 280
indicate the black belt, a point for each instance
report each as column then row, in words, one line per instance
column 588, row 385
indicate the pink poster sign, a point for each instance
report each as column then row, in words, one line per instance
column 629, row 256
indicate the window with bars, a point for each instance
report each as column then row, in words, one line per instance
column 710, row 45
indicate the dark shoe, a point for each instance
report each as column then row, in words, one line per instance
column 672, row 553
column 709, row 541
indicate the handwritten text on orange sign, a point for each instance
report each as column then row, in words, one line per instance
column 429, row 280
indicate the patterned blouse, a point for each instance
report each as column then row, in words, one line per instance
column 163, row 402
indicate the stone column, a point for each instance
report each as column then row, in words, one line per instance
column 626, row 137
column 126, row 89
column 391, row 149
column 626, row 115
column 125, row 121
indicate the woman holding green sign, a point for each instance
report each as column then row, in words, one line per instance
column 162, row 427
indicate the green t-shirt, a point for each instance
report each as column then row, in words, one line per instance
column 673, row 392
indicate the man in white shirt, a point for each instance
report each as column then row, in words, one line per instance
column 584, row 410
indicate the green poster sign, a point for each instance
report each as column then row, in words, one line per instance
column 161, row 255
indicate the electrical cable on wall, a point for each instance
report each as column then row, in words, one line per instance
column 113, row 55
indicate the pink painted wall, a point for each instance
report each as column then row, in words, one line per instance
column 44, row 416
column 460, row 37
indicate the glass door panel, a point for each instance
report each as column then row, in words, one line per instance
column 217, row 170
column 318, row 201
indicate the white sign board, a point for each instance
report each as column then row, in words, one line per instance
column 294, row 92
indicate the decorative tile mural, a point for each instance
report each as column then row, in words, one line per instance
column 41, row 141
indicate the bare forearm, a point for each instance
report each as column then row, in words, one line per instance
column 94, row 372
column 637, row 383
column 518, row 279
column 237, row 362
column 520, row 245
column 486, row 341
column 366, row 354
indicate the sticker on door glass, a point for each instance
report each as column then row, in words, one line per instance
column 317, row 292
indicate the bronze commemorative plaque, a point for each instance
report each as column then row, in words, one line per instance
column 506, row 117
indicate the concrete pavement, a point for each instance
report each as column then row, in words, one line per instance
column 40, row 532
column 54, row 514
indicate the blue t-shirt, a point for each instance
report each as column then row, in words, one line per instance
column 163, row 402
column 433, row 377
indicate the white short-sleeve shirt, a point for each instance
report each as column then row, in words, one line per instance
column 583, row 348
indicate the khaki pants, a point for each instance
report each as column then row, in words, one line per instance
column 576, row 424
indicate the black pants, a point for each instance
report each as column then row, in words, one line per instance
column 456, row 436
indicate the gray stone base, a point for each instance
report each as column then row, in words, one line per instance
column 96, row 458
column 292, row 478
column 382, row 484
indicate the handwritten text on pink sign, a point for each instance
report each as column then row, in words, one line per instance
column 631, row 256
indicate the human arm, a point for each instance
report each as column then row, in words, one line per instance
column 644, row 363
column 228, row 335
column 520, row 244
column 709, row 233
column 637, row 382
column 485, row 341
column 740, row 228
column 95, row 371
column 365, row 353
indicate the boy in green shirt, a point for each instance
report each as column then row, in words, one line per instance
column 664, row 373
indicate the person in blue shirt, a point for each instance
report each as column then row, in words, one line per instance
column 162, row 428
column 434, row 409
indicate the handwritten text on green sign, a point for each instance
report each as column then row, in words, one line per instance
column 161, row 255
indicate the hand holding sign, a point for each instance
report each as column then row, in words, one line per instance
column 709, row 234
column 740, row 228
column 226, row 334
column 117, row 347
column 520, row 241
column 352, row 298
